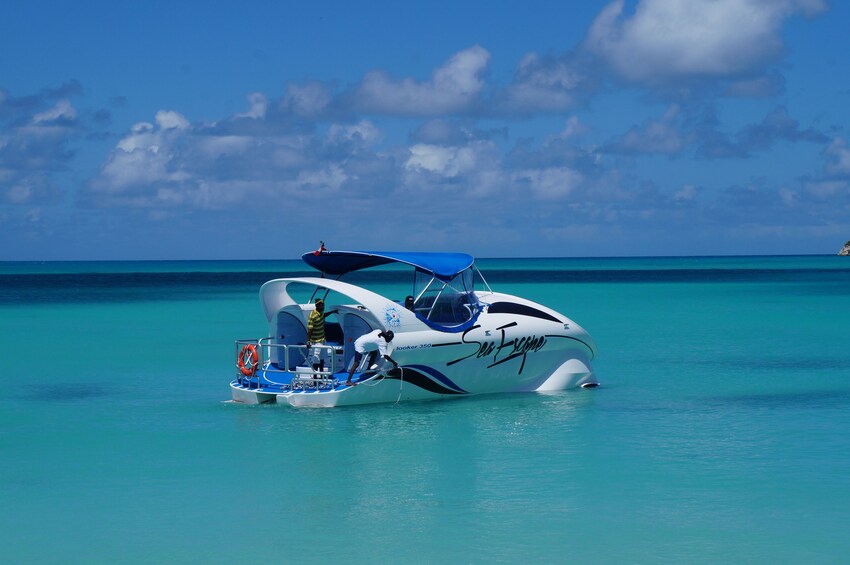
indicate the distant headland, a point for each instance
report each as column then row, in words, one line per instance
column 845, row 250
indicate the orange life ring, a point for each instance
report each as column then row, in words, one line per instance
column 248, row 364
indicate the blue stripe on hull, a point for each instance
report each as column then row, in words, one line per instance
column 424, row 377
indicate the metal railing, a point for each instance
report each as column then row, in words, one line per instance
column 301, row 357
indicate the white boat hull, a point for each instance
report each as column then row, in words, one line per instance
column 417, row 381
column 498, row 343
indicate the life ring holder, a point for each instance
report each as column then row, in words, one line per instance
column 248, row 363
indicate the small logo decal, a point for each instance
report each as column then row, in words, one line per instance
column 391, row 317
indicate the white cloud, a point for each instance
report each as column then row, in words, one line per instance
column 310, row 100
column 788, row 196
column 825, row 189
column 839, row 157
column 443, row 161
column 214, row 146
column 364, row 131
column 20, row 193
column 762, row 86
column 666, row 39
column 137, row 168
column 33, row 216
column 141, row 137
column 288, row 156
column 63, row 110
column 258, row 105
column 173, row 162
column 542, row 85
column 35, row 144
column 655, row 136
column 166, row 119
column 574, row 127
column 466, row 171
column 145, row 156
column 442, row 132
column 453, row 88
column 549, row 184
column 328, row 179
column 687, row 193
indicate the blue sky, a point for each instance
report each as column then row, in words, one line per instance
column 165, row 130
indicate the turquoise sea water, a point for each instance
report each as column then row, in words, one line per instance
column 721, row 431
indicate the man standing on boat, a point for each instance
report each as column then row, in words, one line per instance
column 374, row 342
column 316, row 333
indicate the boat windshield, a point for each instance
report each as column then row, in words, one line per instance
column 446, row 302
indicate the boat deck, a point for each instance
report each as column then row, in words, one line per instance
column 291, row 381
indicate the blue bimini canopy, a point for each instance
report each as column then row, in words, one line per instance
column 442, row 265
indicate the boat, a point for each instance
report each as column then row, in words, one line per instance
column 456, row 337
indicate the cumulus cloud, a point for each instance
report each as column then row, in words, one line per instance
column 673, row 39
column 148, row 155
column 562, row 149
column 36, row 137
column 167, row 120
column 28, row 188
column 458, row 87
column 361, row 133
column 472, row 169
column 554, row 183
column 544, row 85
column 454, row 88
column 61, row 112
column 838, row 156
column 258, row 105
column 765, row 85
column 443, row 161
column 776, row 126
column 173, row 162
column 788, row 196
column 827, row 189
column 574, row 127
column 661, row 136
column 442, row 132
column 687, row 193
column 312, row 100
column 316, row 144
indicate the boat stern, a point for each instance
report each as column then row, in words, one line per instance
column 247, row 395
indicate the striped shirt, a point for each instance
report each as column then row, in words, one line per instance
column 316, row 327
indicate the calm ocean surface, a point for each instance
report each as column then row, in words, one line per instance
column 720, row 434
